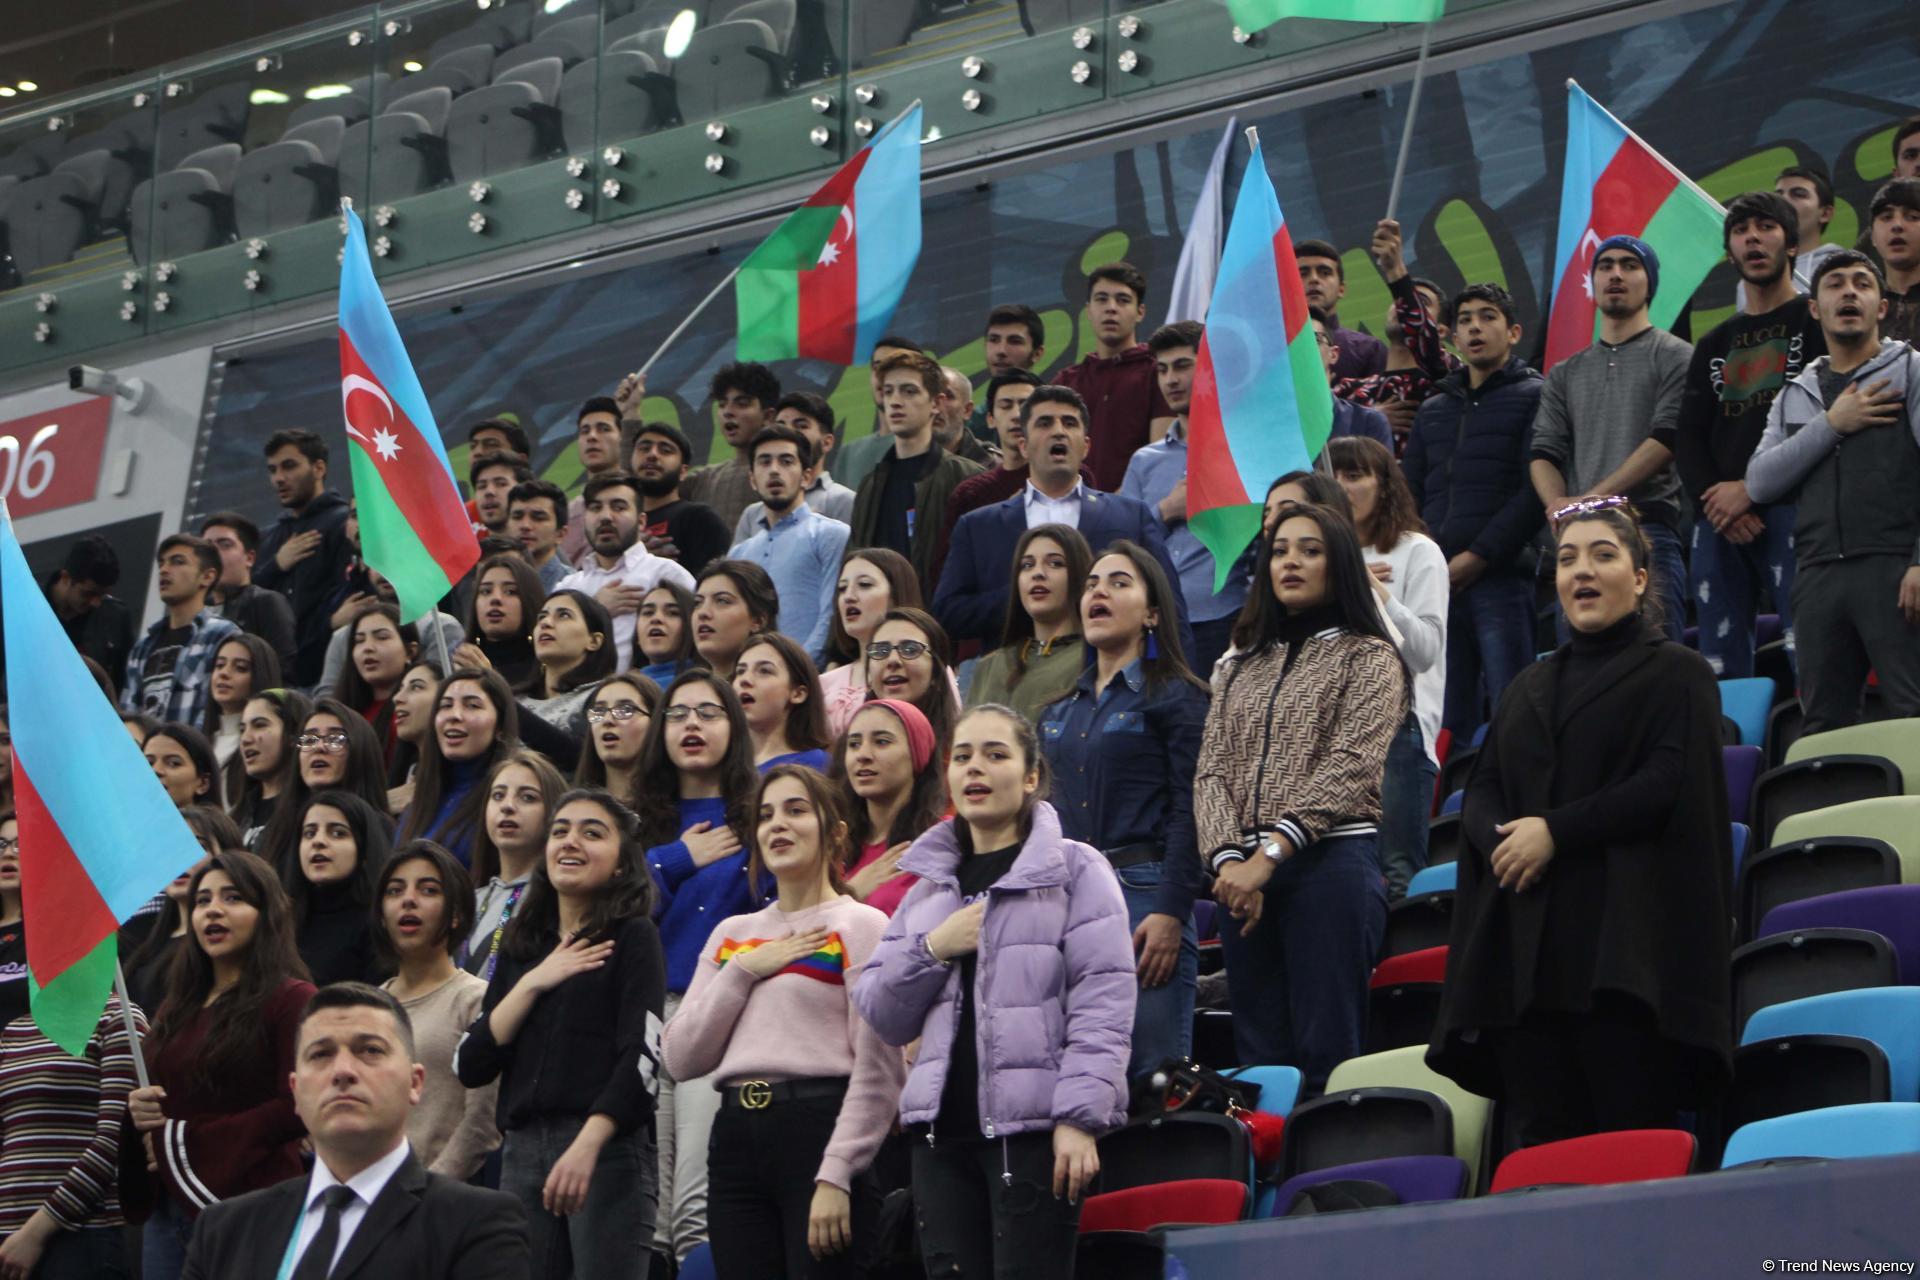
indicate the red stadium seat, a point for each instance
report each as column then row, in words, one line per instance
column 1194, row 1201
column 1630, row 1155
column 1429, row 965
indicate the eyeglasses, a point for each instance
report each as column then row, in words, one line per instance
column 8, row 846
column 881, row 650
column 600, row 713
column 1587, row 506
column 707, row 711
column 329, row 742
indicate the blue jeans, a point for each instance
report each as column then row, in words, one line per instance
column 613, row 1234
column 1297, row 984
column 1406, row 801
column 163, row 1241
column 1669, row 584
column 1162, row 1015
column 1727, row 585
column 1489, row 641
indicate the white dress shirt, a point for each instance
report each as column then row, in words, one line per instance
column 366, row 1186
column 1044, row 510
column 640, row 568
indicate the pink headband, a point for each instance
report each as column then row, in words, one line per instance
column 919, row 731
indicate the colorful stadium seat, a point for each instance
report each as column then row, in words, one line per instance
column 1279, row 1087
column 1817, row 783
column 1407, row 1069
column 1797, row 963
column 1629, row 1155
column 1808, row 868
column 1895, row 819
column 1892, row 911
column 1188, row 1202
column 1742, row 766
column 1442, row 878
column 1888, row 1016
column 1746, row 703
column 1832, row 1133
column 1404, row 999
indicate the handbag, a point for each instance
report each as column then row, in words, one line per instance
column 1188, row 1086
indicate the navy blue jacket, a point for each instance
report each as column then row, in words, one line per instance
column 1350, row 419
column 1466, row 463
column 971, row 600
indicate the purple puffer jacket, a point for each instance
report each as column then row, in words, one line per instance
column 1053, row 990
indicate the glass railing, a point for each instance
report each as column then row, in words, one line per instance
column 462, row 127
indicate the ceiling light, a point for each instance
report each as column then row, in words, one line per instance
column 267, row 98
column 321, row 92
column 680, row 33
column 6, row 91
column 411, row 64
column 28, row 86
column 555, row 6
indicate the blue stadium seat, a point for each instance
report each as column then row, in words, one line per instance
column 1480, row 734
column 698, row 1264
column 1279, row 1087
column 1453, row 804
column 1742, row 767
column 1741, row 835
column 1746, row 703
column 1831, row 1133
column 1888, row 1016
column 1446, row 877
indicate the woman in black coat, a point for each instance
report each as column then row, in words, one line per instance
column 1587, row 980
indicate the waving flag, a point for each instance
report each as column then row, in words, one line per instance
column 1257, row 15
column 1616, row 184
column 98, row 836
column 1261, row 407
column 825, row 284
column 1199, row 264
column 413, row 525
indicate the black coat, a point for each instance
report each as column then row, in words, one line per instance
column 1638, row 897
column 421, row 1226
column 1466, row 463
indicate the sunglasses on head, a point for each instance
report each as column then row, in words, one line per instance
column 1586, row 507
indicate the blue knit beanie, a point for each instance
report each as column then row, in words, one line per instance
column 1638, row 248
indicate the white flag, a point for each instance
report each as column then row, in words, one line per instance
column 1206, row 233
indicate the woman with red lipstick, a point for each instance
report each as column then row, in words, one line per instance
column 499, row 621
column 475, row 725
column 909, row 660
column 893, row 792
column 343, row 844
column 1587, row 978
column 379, row 649
column 242, row 665
column 872, row 581
column 1041, row 653
column 521, row 794
column 733, row 599
column 779, row 690
column 218, row 1119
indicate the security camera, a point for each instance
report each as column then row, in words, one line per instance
column 84, row 377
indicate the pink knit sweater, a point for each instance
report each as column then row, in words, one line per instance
column 796, row 1025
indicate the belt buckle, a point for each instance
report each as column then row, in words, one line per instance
column 756, row 1095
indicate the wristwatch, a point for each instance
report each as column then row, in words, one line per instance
column 1271, row 846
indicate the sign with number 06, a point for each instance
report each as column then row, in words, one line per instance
column 52, row 459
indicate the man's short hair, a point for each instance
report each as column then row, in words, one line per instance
column 748, row 377
column 534, row 491
column 895, row 342
column 1908, row 127
column 1054, row 393
column 1120, row 273
column 666, row 431
column 1489, row 293
column 1321, row 249
column 244, row 529
column 597, row 404
column 773, row 432
column 1849, row 258
column 515, row 433
column 361, row 995
column 1822, row 186
column 206, row 552
column 813, row 406
column 1181, row 333
column 612, row 480
column 1011, row 378
column 1019, row 313
column 515, row 462
column 1760, row 204
column 311, row 446
column 1903, row 193
column 917, row 363
column 92, row 559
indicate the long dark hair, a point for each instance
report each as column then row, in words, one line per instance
column 1017, row 628
column 595, row 664
column 757, row 593
column 836, row 848
column 266, row 675
column 1029, row 743
column 926, row 798
column 213, row 831
column 372, row 841
column 658, row 786
column 592, row 771
column 1170, row 664
column 291, row 709
column 937, row 704
column 407, row 754
column 683, row 655
column 353, row 688
column 535, row 927
column 1394, row 512
column 1349, row 590
column 807, row 719
column 434, row 775
column 1321, row 490
column 237, row 1031
column 205, row 766
column 526, row 585
column 903, row 592
column 486, row 854
column 364, row 776
column 456, row 890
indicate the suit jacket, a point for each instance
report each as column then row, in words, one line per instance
column 971, row 600
column 421, row 1226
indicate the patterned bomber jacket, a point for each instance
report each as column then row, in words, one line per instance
column 1296, row 741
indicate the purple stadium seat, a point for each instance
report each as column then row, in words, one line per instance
column 1413, row 1179
column 1766, row 629
column 1892, row 911
column 1742, row 767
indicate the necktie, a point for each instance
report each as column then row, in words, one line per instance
column 317, row 1262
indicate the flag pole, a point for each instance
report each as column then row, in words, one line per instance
column 1413, row 112
column 126, row 1017
column 440, row 641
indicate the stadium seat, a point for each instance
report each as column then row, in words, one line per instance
column 213, row 117
column 571, row 42
column 461, row 70
column 1418, row 923
column 49, row 217
column 1741, row 837
column 652, row 42
column 727, row 66
column 1818, row 782
column 1807, row 869
column 501, row 127
column 1895, row 740
column 1454, row 802
column 1746, row 702
column 1802, row 1073
column 617, row 95
column 1414, row 1179
column 781, row 16
column 1892, row 911
column 1794, row 964
column 1599, row 1159
column 698, row 1264
column 1407, row 1069
column 1784, row 723
column 1742, row 766
column 1279, row 1087
column 877, row 25
column 1403, row 999
column 1894, row 819
column 1434, row 879
column 1443, row 839
column 1190, row 1201
column 1174, row 1147
column 1832, row 1133
column 1888, row 1016
column 1121, row 1255
column 1453, row 774
column 1345, row 1126
column 186, row 209
column 291, row 182
column 400, row 151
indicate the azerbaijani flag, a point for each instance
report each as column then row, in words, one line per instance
column 1261, row 407
column 413, row 524
column 825, row 284
column 98, row 836
column 1257, row 15
column 1616, row 184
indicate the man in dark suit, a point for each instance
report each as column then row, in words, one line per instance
column 971, row 600
column 369, row 1210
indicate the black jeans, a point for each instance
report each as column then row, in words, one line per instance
column 986, row 1209
column 1566, row 1075
column 761, row 1167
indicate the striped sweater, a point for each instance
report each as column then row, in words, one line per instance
column 60, row 1124
column 1298, row 747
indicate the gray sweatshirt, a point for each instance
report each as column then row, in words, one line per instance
column 1599, row 405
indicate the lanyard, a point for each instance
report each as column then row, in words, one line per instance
column 506, row 914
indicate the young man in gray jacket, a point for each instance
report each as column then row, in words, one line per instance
column 1842, row 441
